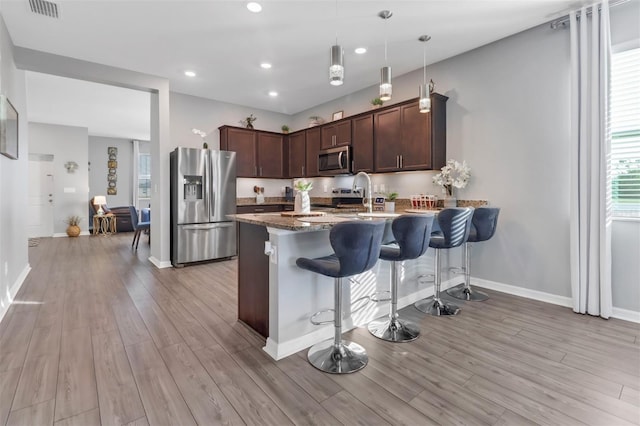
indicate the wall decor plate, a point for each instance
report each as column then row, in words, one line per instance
column 112, row 150
column 112, row 164
column 112, row 178
column 112, row 184
column 112, row 171
column 112, row 191
column 113, row 157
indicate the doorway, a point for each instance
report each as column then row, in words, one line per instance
column 41, row 199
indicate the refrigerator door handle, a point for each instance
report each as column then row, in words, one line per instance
column 206, row 226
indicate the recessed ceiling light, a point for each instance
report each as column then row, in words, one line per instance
column 361, row 50
column 254, row 7
column 190, row 73
column 273, row 94
column 265, row 65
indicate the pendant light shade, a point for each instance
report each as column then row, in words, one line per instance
column 336, row 67
column 385, row 72
column 385, row 84
column 424, row 90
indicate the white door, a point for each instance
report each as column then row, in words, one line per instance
column 41, row 200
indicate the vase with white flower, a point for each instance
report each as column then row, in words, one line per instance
column 453, row 175
column 302, row 203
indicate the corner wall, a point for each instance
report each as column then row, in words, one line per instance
column 14, row 257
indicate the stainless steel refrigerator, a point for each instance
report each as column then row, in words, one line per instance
column 203, row 193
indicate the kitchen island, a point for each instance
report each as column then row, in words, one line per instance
column 276, row 298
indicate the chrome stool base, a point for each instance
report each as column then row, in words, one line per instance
column 345, row 357
column 436, row 307
column 463, row 293
column 394, row 330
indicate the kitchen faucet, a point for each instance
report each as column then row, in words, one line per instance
column 369, row 204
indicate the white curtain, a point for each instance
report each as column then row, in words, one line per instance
column 135, row 173
column 590, row 234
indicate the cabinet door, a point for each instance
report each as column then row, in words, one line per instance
column 313, row 147
column 343, row 133
column 243, row 142
column 327, row 139
column 388, row 135
column 297, row 155
column 270, row 155
column 362, row 143
column 416, row 138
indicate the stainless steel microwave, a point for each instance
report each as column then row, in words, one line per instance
column 335, row 161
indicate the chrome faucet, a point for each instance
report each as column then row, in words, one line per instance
column 369, row 204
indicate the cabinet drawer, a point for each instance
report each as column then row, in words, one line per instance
column 269, row 208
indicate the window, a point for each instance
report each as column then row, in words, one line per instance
column 144, row 176
column 625, row 133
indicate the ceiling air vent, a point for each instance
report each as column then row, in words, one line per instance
column 44, row 7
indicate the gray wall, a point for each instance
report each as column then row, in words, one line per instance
column 14, row 262
column 71, row 190
column 188, row 112
column 98, row 158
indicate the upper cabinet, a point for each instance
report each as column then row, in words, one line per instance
column 406, row 139
column 297, row 155
column 258, row 153
column 313, row 148
column 336, row 134
column 362, row 143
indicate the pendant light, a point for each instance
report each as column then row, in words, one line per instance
column 385, row 72
column 336, row 64
column 424, row 92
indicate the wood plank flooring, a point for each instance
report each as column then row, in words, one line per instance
column 99, row 336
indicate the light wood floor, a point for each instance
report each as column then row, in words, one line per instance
column 100, row 336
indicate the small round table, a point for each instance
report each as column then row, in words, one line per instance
column 104, row 224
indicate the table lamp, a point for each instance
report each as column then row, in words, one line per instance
column 99, row 200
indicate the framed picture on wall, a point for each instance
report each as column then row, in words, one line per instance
column 8, row 129
column 112, row 164
column 112, row 150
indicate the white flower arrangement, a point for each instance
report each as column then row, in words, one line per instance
column 303, row 185
column 453, row 174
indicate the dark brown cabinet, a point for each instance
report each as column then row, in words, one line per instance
column 313, row 148
column 258, row 153
column 297, row 154
column 405, row 139
column 338, row 134
column 362, row 143
column 243, row 143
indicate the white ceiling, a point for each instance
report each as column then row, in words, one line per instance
column 224, row 43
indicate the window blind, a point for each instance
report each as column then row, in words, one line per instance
column 625, row 133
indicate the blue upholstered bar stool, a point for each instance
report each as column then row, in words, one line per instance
column 412, row 234
column 454, row 224
column 483, row 227
column 356, row 246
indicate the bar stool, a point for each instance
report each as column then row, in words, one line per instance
column 454, row 224
column 356, row 246
column 412, row 234
column 483, row 227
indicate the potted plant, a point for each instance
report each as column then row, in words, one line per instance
column 302, row 202
column 453, row 175
column 390, row 201
column 315, row 120
column 73, row 228
column 377, row 103
column 248, row 122
column 285, row 129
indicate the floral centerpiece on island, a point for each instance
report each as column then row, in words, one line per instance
column 453, row 175
column 302, row 203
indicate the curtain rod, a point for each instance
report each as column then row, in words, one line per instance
column 564, row 21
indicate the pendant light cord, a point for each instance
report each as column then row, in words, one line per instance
column 424, row 63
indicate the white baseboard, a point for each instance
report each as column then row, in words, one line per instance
column 64, row 234
column 160, row 263
column 619, row 313
column 13, row 290
column 626, row 314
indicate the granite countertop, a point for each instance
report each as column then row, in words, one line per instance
column 333, row 216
